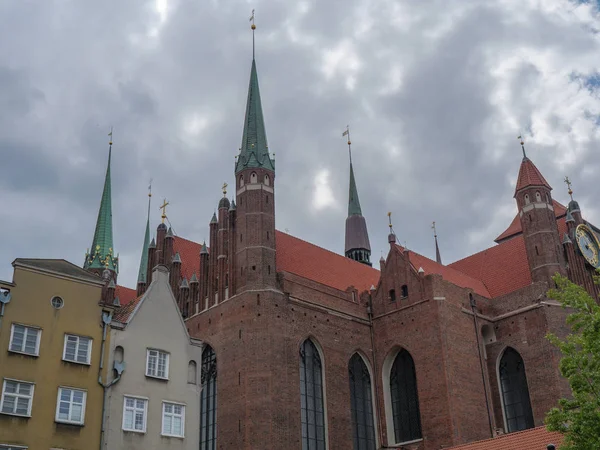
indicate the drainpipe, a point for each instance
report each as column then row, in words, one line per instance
column 118, row 367
column 375, row 370
column 485, row 390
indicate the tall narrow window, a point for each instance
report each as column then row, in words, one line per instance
column 361, row 402
column 515, row 395
column 405, row 400
column 311, row 393
column 208, row 400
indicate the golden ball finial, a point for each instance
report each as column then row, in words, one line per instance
column 253, row 27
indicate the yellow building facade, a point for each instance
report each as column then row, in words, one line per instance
column 51, row 336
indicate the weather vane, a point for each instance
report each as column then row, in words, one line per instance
column 224, row 187
column 568, row 183
column 520, row 138
column 347, row 133
column 253, row 27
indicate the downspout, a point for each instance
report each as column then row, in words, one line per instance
column 485, row 390
column 119, row 368
column 375, row 370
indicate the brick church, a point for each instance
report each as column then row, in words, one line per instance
column 313, row 350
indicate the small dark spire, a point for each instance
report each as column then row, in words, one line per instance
column 177, row 258
column 569, row 216
column 152, row 244
column 204, row 249
column 214, row 218
column 169, row 233
column 194, row 278
column 567, row 239
column 232, row 207
column 438, row 257
column 184, row 284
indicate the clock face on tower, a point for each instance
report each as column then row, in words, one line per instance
column 588, row 244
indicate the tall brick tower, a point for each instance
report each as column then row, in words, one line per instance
column 538, row 221
column 255, row 198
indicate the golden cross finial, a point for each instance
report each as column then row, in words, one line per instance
column 253, row 27
column 568, row 183
column 164, row 210
column 520, row 138
column 150, row 188
column 390, row 219
column 110, row 136
column 347, row 133
column 224, row 189
column 433, row 228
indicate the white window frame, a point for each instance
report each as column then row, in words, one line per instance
column 83, row 405
column 30, row 397
column 158, row 353
column 12, row 447
column 89, row 352
column 182, row 415
column 27, row 327
column 134, row 409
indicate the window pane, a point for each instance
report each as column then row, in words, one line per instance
column 10, row 387
column 82, row 351
column 208, row 400
column 31, row 340
column 311, row 398
column 515, row 393
column 128, row 419
column 405, row 402
column 18, row 338
column 9, row 404
column 361, row 404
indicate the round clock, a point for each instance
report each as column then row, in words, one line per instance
column 588, row 244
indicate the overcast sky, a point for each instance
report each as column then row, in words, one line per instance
column 435, row 92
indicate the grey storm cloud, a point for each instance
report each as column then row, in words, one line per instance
column 435, row 93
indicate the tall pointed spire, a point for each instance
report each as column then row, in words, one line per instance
column 254, row 151
column 357, row 245
column 438, row 256
column 101, row 254
column 142, row 274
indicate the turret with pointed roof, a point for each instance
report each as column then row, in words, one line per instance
column 101, row 254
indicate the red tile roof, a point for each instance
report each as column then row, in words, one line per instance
column 448, row 273
column 529, row 175
column 317, row 264
column 503, row 268
column 189, row 252
column 533, row 439
column 129, row 300
column 515, row 226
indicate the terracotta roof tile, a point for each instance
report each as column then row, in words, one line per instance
column 189, row 251
column 448, row 273
column 317, row 264
column 503, row 268
column 532, row 439
column 529, row 175
column 129, row 300
column 515, row 226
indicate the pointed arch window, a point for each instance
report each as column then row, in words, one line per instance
column 361, row 400
column 208, row 400
column 515, row 394
column 311, row 394
column 405, row 400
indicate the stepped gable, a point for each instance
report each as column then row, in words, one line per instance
column 448, row 273
column 515, row 229
column 532, row 439
column 502, row 268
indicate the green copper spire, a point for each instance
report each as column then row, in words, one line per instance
column 254, row 151
column 353, row 202
column 142, row 274
column 101, row 254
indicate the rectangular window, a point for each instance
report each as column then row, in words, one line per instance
column 157, row 364
column 134, row 414
column 78, row 349
column 17, row 397
column 24, row 339
column 173, row 419
column 70, row 406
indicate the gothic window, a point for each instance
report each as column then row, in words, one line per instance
column 404, row 291
column 241, row 180
column 253, row 178
column 363, row 428
column 538, row 197
column 515, row 395
column 311, row 394
column 267, row 181
column 405, row 400
column 208, row 400
column 392, row 295
column 527, row 199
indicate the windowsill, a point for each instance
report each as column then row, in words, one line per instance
column 134, row 431
column 157, row 378
column 25, row 416
column 66, row 422
column 172, row 436
column 77, row 362
column 402, row 444
column 34, row 355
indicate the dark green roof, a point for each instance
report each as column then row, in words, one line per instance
column 143, row 273
column 254, row 151
column 353, row 202
column 101, row 253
